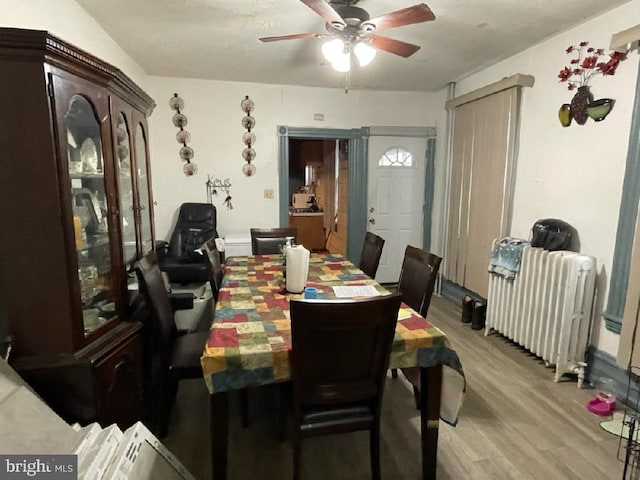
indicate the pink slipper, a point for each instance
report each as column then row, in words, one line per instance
column 600, row 407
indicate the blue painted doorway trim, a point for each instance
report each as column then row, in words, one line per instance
column 357, row 186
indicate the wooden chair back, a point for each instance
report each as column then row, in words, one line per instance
column 268, row 241
column 418, row 278
column 215, row 265
column 371, row 253
column 327, row 367
column 154, row 292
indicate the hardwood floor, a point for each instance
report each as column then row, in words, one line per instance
column 516, row 423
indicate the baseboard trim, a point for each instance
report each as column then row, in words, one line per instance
column 454, row 292
column 603, row 365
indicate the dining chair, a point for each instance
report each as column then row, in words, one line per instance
column 215, row 266
column 338, row 388
column 371, row 253
column 179, row 354
column 268, row 241
column 417, row 280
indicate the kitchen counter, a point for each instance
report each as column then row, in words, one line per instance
column 306, row 214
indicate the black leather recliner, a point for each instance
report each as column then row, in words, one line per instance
column 196, row 225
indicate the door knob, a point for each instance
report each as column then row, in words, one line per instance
column 371, row 210
column 372, row 221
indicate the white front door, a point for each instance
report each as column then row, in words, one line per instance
column 395, row 198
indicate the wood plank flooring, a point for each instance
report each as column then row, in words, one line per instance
column 516, row 423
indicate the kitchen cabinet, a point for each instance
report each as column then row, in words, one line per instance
column 310, row 229
column 76, row 212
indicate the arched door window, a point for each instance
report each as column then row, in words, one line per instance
column 396, row 157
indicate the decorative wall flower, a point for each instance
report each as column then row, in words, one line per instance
column 587, row 63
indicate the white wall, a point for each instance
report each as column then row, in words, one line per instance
column 214, row 121
column 572, row 173
column 70, row 22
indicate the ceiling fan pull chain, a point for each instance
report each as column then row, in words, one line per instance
column 347, row 80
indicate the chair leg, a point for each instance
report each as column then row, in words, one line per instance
column 167, row 403
column 244, row 407
column 163, row 428
column 282, row 407
column 374, row 451
column 394, row 373
column 297, row 452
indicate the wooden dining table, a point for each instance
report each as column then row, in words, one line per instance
column 250, row 341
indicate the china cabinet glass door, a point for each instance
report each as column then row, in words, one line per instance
column 90, row 210
column 144, row 197
column 125, row 189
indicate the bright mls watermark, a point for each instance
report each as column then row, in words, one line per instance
column 51, row 467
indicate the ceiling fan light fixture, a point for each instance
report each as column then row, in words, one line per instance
column 337, row 53
column 342, row 63
column 365, row 53
column 333, row 50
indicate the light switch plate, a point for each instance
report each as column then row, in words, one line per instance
column 268, row 193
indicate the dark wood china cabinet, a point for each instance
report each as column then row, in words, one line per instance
column 76, row 212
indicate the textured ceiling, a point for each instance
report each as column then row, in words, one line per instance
column 218, row 39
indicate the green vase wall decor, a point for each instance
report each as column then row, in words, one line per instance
column 599, row 109
column 579, row 104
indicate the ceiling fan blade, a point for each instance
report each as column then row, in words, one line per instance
column 416, row 14
column 292, row 37
column 394, row 46
column 326, row 11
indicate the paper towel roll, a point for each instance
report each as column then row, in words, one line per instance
column 297, row 268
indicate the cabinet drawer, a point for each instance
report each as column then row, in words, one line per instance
column 119, row 385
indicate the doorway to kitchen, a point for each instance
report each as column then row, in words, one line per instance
column 329, row 154
column 318, row 176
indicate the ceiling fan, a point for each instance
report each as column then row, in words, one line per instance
column 354, row 26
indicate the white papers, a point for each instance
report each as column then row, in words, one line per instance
column 355, row 291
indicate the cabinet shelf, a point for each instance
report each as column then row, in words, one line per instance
column 93, row 242
column 83, row 176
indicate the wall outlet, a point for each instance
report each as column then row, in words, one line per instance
column 268, row 193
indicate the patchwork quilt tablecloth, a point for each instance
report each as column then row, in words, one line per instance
column 250, row 338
